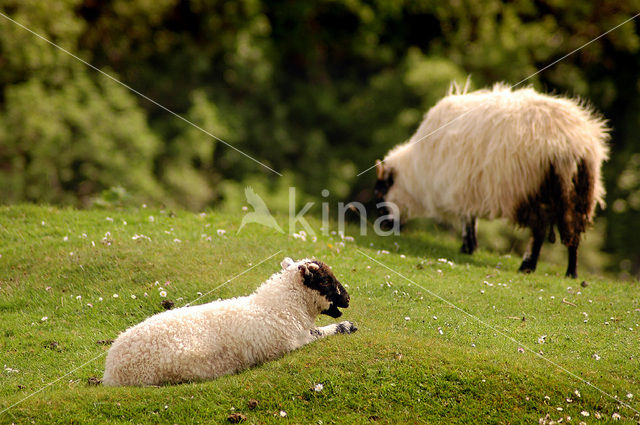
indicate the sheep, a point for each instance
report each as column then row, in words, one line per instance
column 223, row 337
column 501, row 153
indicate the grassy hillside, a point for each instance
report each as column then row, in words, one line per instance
column 65, row 288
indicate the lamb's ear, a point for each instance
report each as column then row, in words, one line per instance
column 308, row 268
column 286, row 263
column 304, row 271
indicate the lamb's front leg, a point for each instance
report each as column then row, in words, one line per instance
column 311, row 335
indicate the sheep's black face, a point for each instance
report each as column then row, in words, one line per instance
column 318, row 276
column 382, row 187
column 383, row 184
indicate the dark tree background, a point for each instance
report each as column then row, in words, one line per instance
column 318, row 89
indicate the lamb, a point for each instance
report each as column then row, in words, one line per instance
column 534, row 159
column 223, row 337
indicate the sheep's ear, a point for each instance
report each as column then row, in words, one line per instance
column 379, row 169
column 286, row 263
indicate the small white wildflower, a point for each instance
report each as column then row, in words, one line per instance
column 521, row 350
column 629, row 396
column 133, row 297
column 44, row 318
column 151, row 219
column 84, row 236
column 66, row 238
column 48, row 288
column 245, row 208
column 156, row 283
column 435, row 317
column 176, row 240
column 71, row 253
column 596, row 356
column 99, row 298
column 79, row 297
column 318, row 387
column 221, row 232
column 109, row 219
column 89, row 305
column 542, row 339
column 145, row 294
column 283, row 414
column 407, row 318
column 163, row 294
column 440, row 330
column 124, row 222
column 93, row 243
column 42, row 222
column 577, row 393
column 584, row 413
column 403, row 256
column 115, row 295
column 615, row 416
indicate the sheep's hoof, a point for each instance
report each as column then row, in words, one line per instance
column 527, row 267
column 467, row 248
column 526, row 270
column 346, row 327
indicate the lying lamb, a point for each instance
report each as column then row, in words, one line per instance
column 207, row 341
column 532, row 158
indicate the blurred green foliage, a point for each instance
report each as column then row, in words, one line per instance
column 317, row 88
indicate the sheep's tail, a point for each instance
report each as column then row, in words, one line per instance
column 579, row 203
column 567, row 203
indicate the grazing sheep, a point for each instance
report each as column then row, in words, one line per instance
column 207, row 341
column 532, row 158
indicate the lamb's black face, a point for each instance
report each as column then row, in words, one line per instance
column 318, row 276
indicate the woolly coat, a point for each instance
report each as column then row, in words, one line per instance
column 482, row 154
column 222, row 337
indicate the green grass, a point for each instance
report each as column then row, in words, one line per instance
column 398, row 368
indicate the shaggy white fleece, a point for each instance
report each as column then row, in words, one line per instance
column 483, row 153
column 207, row 341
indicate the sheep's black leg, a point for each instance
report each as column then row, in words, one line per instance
column 530, row 260
column 469, row 238
column 573, row 262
